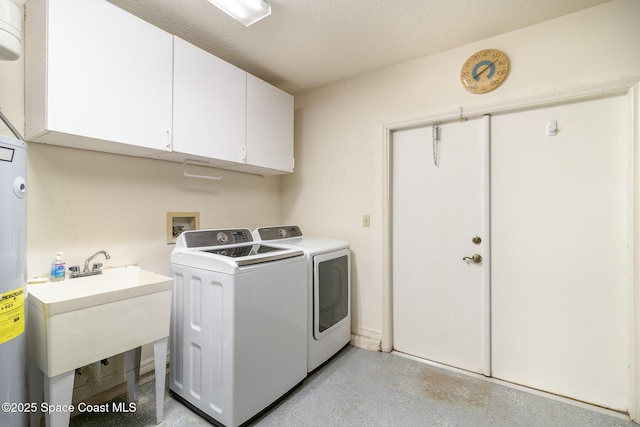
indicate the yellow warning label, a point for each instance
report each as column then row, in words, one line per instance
column 11, row 314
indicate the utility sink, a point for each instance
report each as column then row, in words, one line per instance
column 79, row 321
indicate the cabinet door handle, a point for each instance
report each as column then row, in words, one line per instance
column 168, row 139
column 243, row 156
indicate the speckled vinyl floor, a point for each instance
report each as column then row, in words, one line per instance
column 364, row 388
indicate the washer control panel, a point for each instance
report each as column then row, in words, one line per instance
column 202, row 238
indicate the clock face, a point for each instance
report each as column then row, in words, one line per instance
column 484, row 71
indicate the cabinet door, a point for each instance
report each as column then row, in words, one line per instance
column 269, row 126
column 209, row 101
column 108, row 74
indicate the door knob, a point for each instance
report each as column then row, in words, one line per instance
column 477, row 258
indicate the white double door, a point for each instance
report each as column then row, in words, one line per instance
column 547, row 306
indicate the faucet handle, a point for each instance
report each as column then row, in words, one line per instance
column 74, row 268
column 96, row 266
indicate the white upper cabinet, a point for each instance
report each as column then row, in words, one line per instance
column 97, row 77
column 209, row 104
column 269, row 126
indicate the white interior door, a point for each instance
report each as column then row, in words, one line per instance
column 438, row 306
column 560, row 250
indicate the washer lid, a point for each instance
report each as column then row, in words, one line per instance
column 225, row 250
column 255, row 254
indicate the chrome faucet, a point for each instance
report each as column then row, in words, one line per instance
column 96, row 269
column 86, row 263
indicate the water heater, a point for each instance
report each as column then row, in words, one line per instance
column 13, row 279
column 10, row 30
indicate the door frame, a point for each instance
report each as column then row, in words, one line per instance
column 628, row 87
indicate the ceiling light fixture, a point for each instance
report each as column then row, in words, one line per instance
column 246, row 12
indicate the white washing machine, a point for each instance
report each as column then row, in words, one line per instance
column 329, row 289
column 239, row 323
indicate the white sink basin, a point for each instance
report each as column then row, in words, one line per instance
column 80, row 321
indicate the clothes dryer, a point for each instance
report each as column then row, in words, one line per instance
column 329, row 289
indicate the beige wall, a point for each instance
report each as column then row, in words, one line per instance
column 339, row 139
column 82, row 201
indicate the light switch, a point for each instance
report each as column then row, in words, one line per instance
column 366, row 220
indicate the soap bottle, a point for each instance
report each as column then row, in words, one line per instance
column 58, row 268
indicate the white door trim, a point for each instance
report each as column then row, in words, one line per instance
column 486, row 279
column 630, row 87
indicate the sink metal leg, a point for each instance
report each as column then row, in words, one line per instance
column 160, row 358
column 58, row 392
column 132, row 367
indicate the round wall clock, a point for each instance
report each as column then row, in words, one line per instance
column 484, row 71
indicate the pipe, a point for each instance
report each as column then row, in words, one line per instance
column 10, row 126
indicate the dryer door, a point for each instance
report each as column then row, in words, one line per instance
column 331, row 291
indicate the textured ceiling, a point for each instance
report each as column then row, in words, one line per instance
column 309, row 43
